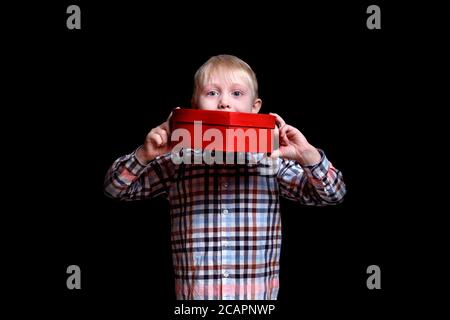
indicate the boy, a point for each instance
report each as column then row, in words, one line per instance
column 226, row 226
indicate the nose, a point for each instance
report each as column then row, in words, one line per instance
column 224, row 103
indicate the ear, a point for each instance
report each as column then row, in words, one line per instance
column 256, row 105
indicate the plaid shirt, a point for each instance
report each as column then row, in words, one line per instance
column 225, row 219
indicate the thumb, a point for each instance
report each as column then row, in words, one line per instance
column 276, row 154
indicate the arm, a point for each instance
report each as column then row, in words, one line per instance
column 305, row 173
column 128, row 179
column 145, row 173
column 320, row 184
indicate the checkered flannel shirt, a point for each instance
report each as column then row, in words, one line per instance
column 225, row 219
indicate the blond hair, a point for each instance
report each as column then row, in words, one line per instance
column 231, row 65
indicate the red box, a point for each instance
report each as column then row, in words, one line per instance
column 231, row 131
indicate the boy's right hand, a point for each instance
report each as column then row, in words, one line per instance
column 156, row 143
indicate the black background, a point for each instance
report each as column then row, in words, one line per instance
column 85, row 97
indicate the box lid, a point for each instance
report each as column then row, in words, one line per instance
column 224, row 118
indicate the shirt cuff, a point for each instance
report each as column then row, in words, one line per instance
column 133, row 165
column 319, row 170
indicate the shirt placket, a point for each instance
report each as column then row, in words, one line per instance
column 227, row 224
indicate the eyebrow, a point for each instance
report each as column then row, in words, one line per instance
column 234, row 84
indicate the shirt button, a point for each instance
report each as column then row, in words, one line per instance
column 225, row 185
column 225, row 211
column 226, row 274
column 225, row 243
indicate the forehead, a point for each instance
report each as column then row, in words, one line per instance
column 223, row 75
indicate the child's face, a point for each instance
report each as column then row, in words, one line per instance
column 227, row 92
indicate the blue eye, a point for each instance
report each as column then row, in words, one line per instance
column 212, row 93
column 237, row 93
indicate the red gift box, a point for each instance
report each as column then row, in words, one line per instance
column 222, row 130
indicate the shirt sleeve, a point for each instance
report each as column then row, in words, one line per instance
column 127, row 179
column 317, row 185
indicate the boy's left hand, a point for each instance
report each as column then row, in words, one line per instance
column 293, row 144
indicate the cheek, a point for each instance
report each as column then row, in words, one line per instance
column 245, row 103
column 199, row 100
column 205, row 103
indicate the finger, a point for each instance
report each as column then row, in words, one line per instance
column 156, row 139
column 163, row 133
column 278, row 120
column 165, row 130
column 171, row 113
column 283, row 130
column 276, row 154
column 284, row 140
column 294, row 133
column 276, row 131
column 169, row 118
